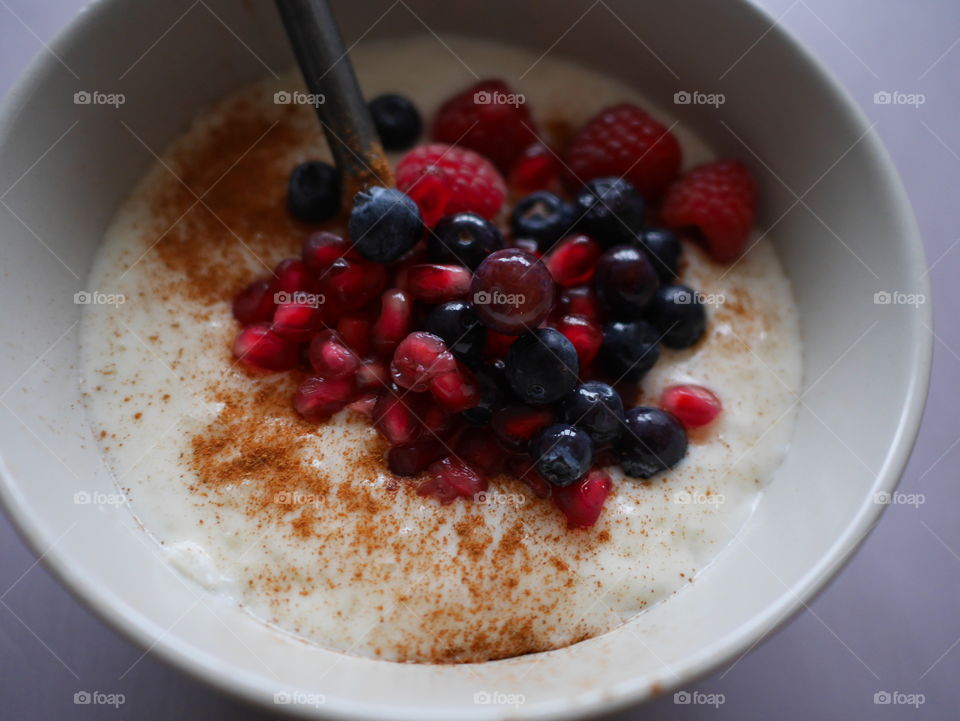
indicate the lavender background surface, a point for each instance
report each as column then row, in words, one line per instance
column 888, row 624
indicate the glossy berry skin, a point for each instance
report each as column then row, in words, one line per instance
column 562, row 454
column 663, row 248
column 542, row 216
column 678, row 315
column 458, row 325
column 542, row 366
column 419, row 358
column 255, row 303
column 652, row 441
column 397, row 121
column 321, row 249
column 319, row 398
column 384, row 224
column 629, row 349
column 693, row 405
column 537, row 168
column 625, row 281
column 436, row 283
column 596, row 408
column 512, row 291
column 582, row 502
column 586, row 336
column 610, row 210
column 515, row 424
column 257, row 345
column 573, row 260
column 464, row 238
column 313, row 192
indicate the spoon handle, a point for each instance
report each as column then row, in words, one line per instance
column 343, row 113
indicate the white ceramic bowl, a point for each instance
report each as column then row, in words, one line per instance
column 846, row 235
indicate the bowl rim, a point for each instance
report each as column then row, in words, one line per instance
column 137, row 628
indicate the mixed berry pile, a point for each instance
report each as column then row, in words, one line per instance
column 495, row 312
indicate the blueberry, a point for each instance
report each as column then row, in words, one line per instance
column 678, row 314
column 652, row 441
column 313, row 193
column 663, row 247
column 543, row 217
column 397, row 121
column 384, row 224
column 562, row 454
column 464, row 238
column 629, row 349
column 542, row 366
column 625, row 281
column 611, row 210
column 460, row 328
column 492, row 380
column 596, row 408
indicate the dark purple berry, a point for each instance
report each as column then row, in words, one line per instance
column 652, row 441
column 664, row 250
column 562, row 454
column 542, row 216
column 458, row 325
column 610, row 210
column 629, row 349
column 512, row 291
column 596, row 408
column 384, row 224
column 397, row 121
column 464, row 238
column 625, row 281
column 678, row 315
column 542, row 366
column 313, row 192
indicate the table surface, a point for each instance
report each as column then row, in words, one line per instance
column 888, row 623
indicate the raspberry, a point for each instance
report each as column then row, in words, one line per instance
column 720, row 200
column 623, row 141
column 444, row 180
column 489, row 119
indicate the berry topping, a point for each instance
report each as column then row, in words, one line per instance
column 450, row 479
column 355, row 331
column 596, row 408
column 395, row 419
column 297, row 320
column 351, row 283
column 562, row 454
column 652, row 441
column 464, row 238
column 625, row 281
column 313, row 193
column 629, row 349
column 719, row 199
column 321, row 249
column 330, row 358
column 573, row 260
column 292, row 276
column 434, row 283
column 664, row 250
column 397, row 121
column 412, row 459
column 490, row 118
column 459, row 327
column 678, row 315
column 611, row 210
column 384, row 224
column 444, row 180
column 319, row 398
column 543, row 217
column 542, row 366
column 393, row 324
column 512, row 291
column 420, row 357
column 537, row 168
column 516, row 424
column 455, row 390
column 694, row 406
column 492, row 385
column 581, row 301
column 258, row 346
column 586, row 336
column 479, row 448
column 625, row 142
column 254, row 304
column 582, row 502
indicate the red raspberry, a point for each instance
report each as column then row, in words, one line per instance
column 718, row 198
column 624, row 142
column 444, row 180
column 488, row 118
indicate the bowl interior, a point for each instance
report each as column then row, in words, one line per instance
column 829, row 196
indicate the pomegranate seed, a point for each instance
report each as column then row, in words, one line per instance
column 693, row 405
column 292, row 277
column 516, row 424
column 586, row 336
column 456, row 390
column 364, row 405
column 412, row 459
column 420, row 357
column 394, row 419
column 435, row 283
column 451, row 479
column 373, row 376
column 351, row 283
column 321, row 249
column 477, row 447
column 498, row 344
column 393, row 325
column 330, row 358
column 259, row 346
column 355, row 331
column 296, row 321
column 319, row 398
column 435, row 419
column 582, row 502
column 536, row 169
column 581, row 301
column 254, row 304
column 573, row 260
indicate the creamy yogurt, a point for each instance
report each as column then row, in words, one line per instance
column 299, row 523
